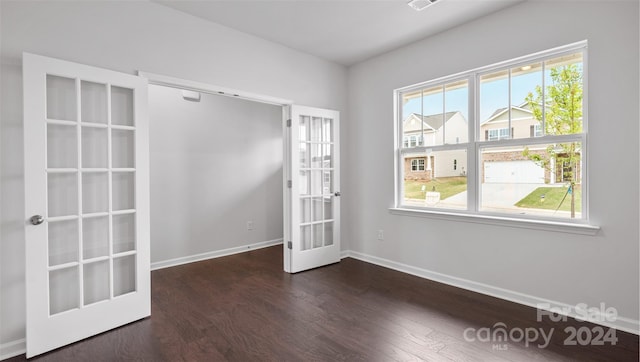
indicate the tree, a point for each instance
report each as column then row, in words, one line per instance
column 562, row 114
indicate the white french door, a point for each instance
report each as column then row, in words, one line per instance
column 86, row 203
column 312, row 202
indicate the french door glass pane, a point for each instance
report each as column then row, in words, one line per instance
column 327, row 158
column 93, row 102
column 95, row 192
column 124, row 233
column 122, row 148
column 305, row 237
column 317, row 235
column 316, row 155
column 305, row 183
column 316, row 183
column 327, row 130
column 305, row 210
column 61, row 98
column 64, row 290
column 121, row 106
column 62, row 146
column 328, row 233
column 124, row 275
column 62, row 190
column 328, row 207
column 316, row 129
column 317, row 209
column 95, row 237
column 63, row 242
column 94, row 147
column 96, row 282
column 123, row 190
column 304, row 155
column 304, row 129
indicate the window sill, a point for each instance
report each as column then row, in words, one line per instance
column 563, row 227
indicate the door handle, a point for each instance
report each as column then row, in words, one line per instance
column 337, row 193
column 36, row 219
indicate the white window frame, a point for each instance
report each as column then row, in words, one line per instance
column 477, row 143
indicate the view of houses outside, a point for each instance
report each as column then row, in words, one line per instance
column 537, row 178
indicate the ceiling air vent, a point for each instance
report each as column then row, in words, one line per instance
column 420, row 5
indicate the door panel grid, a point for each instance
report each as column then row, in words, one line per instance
column 316, row 192
column 90, row 167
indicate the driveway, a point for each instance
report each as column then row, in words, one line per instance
column 494, row 195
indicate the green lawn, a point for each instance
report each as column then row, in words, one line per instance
column 552, row 198
column 446, row 186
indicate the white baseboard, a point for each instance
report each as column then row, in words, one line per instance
column 621, row 323
column 213, row 254
column 12, row 349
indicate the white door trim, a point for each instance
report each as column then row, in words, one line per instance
column 173, row 82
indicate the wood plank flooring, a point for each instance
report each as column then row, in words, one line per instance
column 244, row 308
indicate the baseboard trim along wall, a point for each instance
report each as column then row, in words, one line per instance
column 12, row 349
column 621, row 323
column 213, row 254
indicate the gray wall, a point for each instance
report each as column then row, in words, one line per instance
column 215, row 164
column 561, row 267
column 127, row 36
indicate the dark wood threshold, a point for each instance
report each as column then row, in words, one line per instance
column 245, row 308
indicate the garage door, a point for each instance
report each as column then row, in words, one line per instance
column 513, row 172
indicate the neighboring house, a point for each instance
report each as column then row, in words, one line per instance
column 425, row 131
column 510, row 165
column 500, row 165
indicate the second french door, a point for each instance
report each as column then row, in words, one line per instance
column 312, row 193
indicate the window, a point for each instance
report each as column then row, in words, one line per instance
column 502, row 139
column 417, row 165
column 498, row 134
column 537, row 130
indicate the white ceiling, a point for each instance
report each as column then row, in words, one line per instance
column 343, row 31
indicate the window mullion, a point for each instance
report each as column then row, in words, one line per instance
column 472, row 156
column 509, row 107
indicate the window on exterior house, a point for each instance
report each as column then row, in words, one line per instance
column 537, row 130
column 498, row 134
column 417, row 165
column 514, row 132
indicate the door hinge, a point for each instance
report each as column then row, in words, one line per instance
column 289, row 183
column 288, row 122
column 289, row 245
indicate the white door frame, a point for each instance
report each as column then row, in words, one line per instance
column 173, row 82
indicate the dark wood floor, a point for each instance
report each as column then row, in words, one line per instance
column 244, row 308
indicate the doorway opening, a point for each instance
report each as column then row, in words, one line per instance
column 216, row 173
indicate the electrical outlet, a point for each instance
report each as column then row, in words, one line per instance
column 380, row 234
column 249, row 225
